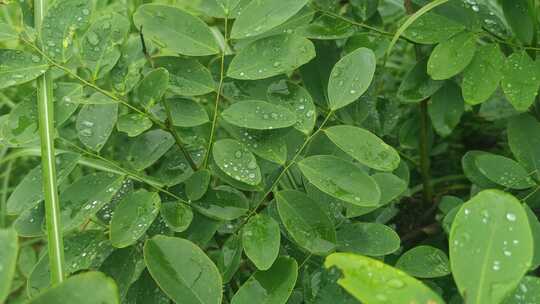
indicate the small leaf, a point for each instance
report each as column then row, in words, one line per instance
column 341, row 179
column 520, row 80
column 228, row 259
column 187, row 76
column 95, row 124
column 174, row 30
column 149, row 147
column 19, row 67
column 446, row 107
column 451, row 56
column 255, row 18
column 261, row 239
column 8, row 261
column 490, row 245
column 417, row 85
column 432, row 28
column 424, row 262
column 481, row 78
column 151, row 89
column 503, row 171
column 132, row 217
column 519, row 15
column 524, row 143
column 85, row 288
column 351, row 77
column 197, row 184
column 297, row 100
column 186, row 113
column 371, row 239
column 183, row 271
column 258, row 115
column 236, row 161
column 273, row 286
column 176, row 215
column 307, row 224
column 372, row 281
column 275, row 55
column 528, row 291
column 124, row 266
column 222, row 203
column 364, row 146
column 133, row 124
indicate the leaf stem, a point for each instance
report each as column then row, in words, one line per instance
column 218, row 96
column 48, row 162
column 177, row 138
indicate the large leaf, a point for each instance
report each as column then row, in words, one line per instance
column 260, row 16
column 481, row 78
column 187, row 76
column 261, row 239
column 520, row 80
column 452, row 56
column 86, row 288
column 132, row 217
column 432, row 28
column 259, row 115
column 236, row 161
column 351, row 77
column 491, row 245
column 149, row 147
column 95, row 124
column 186, row 113
column 124, row 266
column 273, row 286
column 364, row 146
column 520, row 16
column 528, row 291
column 65, row 19
column 524, row 144
column 275, row 55
column 341, row 179
column 19, row 67
column 504, row 171
column 222, row 203
column 307, row 223
column 372, row 281
column 8, row 261
column 183, row 271
column 174, row 30
column 371, row 239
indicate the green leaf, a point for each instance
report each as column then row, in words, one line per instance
column 341, row 179
column 151, row 89
column 29, row 192
column 261, row 16
column 8, row 261
column 424, row 262
column 187, row 76
column 297, row 100
column 223, row 203
column 176, row 215
column 520, row 80
column 197, row 184
column 236, row 161
column 327, row 28
column 535, row 229
column 124, row 266
column 364, row 146
column 133, row 124
column 186, row 113
column 183, row 271
column 372, row 281
column 261, row 238
column 491, row 245
column 351, row 77
column 228, row 259
column 174, row 30
column 519, row 15
column 524, row 143
column 275, row 55
column 258, row 115
column 99, row 45
column 432, row 28
column 528, row 291
column 273, row 286
column 95, row 124
column 468, row 162
column 417, row 85
column 504, row 171
column 452, row 56
column 132, row 217
column 64, row 21
column 481, row 78
column 371, row 239
column 149, row 147
column 306, row 223
column 8, row 32
column 85, row 288
column 19, row 67
column 446, row 107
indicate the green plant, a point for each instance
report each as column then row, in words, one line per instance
column 278, row 151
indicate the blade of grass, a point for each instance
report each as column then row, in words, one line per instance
column 48, row 162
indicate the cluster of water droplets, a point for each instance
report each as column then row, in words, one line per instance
column 242, row 167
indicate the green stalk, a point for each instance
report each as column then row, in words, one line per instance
column 48, row 162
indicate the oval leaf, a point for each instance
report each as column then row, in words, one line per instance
column 424, row 262
column 261, row 239
column 452, row 56
column 258, row 115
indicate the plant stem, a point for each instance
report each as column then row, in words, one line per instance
column 48, row 162
column 218, row 95
column 177, row 138
column 5, row 188
column 425, row 162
